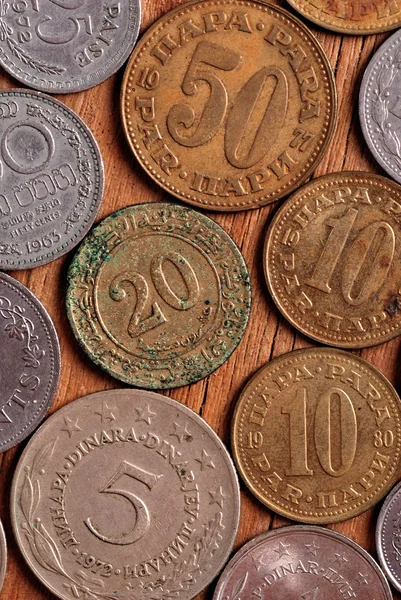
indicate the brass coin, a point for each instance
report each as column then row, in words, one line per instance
column 333, row 259
column 228, row 104
column 159, row 295
column 358, row 17
column 316, row 435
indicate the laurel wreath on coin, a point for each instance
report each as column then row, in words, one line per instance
column 46, row 553
column 22, row 329
column 238, row 587
column 5, row 35
column 380, row 107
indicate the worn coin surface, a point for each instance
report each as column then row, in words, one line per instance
column 51, row 179
column 30, row 362
column 332, row 259
column 63, row 46
column 302, row 562
column 3, row 556
column 388, row 537
column 357, row 17
column 316, row 435
column 380, row 106
column 228, row 104
column 125, row 494
column 158, row 295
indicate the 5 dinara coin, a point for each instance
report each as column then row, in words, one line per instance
column 316, row 435
column 29, row 359
column 3, row 556
column 158, row 295
column 332, row 259
column 357, row 17
column 51, row 179
column 125, row 494
column 388, row 537
column 302, row 562
column 64, row 46
column 227, row 104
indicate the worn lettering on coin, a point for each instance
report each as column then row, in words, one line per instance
column 158, row 295
column 228, row 105
column 125, row 494
column 30, row 362
column 388, row 537
column 316, row 435
column 332, row 259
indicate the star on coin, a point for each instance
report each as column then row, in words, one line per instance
column 70, row 426
column 362, row 579
column 257, row 563
column 311, row 548
column 144, row 414
column 282, row 549
column 181, row 433
column 217, row 497
column 339, row 559
column 205, row 461
column 106, row 416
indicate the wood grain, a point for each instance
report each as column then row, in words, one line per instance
column 268, row 334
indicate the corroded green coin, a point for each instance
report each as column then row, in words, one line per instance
column 158, row 295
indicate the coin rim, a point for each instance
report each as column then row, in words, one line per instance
column 82, row 87
column 322, row 520
column 3, row 556
column 207, row 204
column 313, row 529
column 128, row 379
column 396, row 582
column 363, row 113
column 99, row 167
column 337, row 28
column 268, row 243
column 54, row 343
column 176, row 405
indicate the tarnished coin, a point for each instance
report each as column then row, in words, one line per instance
column 332, row 259
column 158, row 295
column 125, row 494
column 357, row 17
column 302, row 563
column 388, row 537
column 29, row 359
column 51, row 179
column 380, row 105
column 3, row 556
column 316, row 435
column 63, row 46
column 228, row 104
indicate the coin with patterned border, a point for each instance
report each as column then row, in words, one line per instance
column 63, row 46
column 3, row 556
column 380, row 106
column 158, row 295
column 302, row 562
column 316, row 435
column 356, row 17
column 30, row 362
column 332, row 259
column 388, row 536
column 51, row 179
column 229, row 104
column 125, row 494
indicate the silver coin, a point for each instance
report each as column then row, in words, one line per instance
column 30, row 362
column 302, row 562
column 3, row 556
column 380, row 106
column 63, row 46
column 51, row 179
column 388, row 537
column 125, row 494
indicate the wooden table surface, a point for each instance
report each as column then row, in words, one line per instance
column 268, row 334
